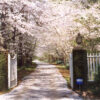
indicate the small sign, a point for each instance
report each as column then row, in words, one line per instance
column 79, row 81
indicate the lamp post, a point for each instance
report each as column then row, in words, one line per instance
column 79, row 39
column 79, row 68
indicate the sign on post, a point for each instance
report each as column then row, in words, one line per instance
column 79, row 81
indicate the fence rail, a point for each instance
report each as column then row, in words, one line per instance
column 93, row 60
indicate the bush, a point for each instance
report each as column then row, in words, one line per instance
column 67, row 66
column 3, row 71
column 59, row 62
column 96, row 89
column 93, row 1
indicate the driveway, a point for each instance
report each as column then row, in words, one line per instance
column 46, row 83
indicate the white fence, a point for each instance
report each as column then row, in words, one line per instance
column 12, row 71
column 93, row 60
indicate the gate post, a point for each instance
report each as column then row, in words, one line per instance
column 12, row 71
column 80, row 69
column 71, row 70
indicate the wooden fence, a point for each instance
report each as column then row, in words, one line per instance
column 93, row 60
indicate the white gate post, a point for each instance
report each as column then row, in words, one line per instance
column 12, row 71
column 71, row 69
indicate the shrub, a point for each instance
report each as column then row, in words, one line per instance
column 3, row 71
column 93, row 1
column 59, row 62
column 67, row 66
column 96, row 89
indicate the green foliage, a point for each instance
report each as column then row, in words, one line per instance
column 61, row 67
column 90, row 24
column 73, row 43
column 28, row 68
column 67, row 65
column 68, row 81
column 3, row 71
column 93, row 1
column 59, row 1
column 59, row 62
column 65, row 73
column 21, row 68
column 96, row 89
column 90, row 43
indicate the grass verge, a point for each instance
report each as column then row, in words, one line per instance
column 65, row 73
column 22, row 72
column 87, row 95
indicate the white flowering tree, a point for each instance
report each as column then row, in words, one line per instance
column 52, row 25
